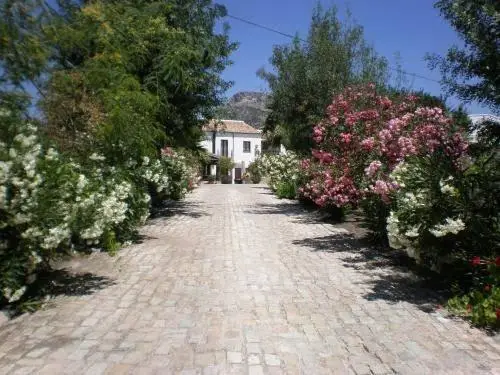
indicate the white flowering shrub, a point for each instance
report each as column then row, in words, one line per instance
column 176, row 167
column 280, row 170
column 437, row 214
column 49, row 204
column 169, row 177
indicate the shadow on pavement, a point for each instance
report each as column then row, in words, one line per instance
column 287, row 208
column 58, row 282
column 263, row 190
column 178, row 208
column 63, row 282
column 390, row 274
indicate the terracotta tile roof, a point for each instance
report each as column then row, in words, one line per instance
column 230, row 126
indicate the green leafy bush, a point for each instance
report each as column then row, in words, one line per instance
column 286, row 190
column 254, row 169
column 482, row 304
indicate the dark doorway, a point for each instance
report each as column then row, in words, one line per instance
column 237, row 176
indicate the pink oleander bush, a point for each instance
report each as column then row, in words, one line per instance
column 361, row 140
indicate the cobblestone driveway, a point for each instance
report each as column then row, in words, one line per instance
column 233, row 281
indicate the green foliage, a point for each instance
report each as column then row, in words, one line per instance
column 482, row 304
column 307, row 74
column 286, row 190
column 472, row 72
column 255, row 170
column 136, row 66
column 376, row 213
column 226, row 164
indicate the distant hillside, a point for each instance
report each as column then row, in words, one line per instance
column 248, row 106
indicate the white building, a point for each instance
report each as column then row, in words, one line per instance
column 234, row 139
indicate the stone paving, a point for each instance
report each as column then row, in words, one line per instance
column 234, row 281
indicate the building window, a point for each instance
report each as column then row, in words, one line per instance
column 224, row 147
column 246, row 146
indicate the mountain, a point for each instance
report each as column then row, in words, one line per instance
column 248, row 106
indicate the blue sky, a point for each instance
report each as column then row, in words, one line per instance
column 410, row 28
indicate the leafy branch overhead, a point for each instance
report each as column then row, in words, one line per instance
column 472, row 72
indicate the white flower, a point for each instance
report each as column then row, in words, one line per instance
column 3, row 196
column 96, row 157
column 55, row 236
column 4, row 170
column 450, row 226
column 412, row 232
column 36, row 258
column 51, row 154
column 5, row 113
column 82, row 182
column 32, row 233
column 445, row 188
column 16, row 295
column 145, row 160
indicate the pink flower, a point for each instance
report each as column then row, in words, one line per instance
column 383, row 189
column 322, row 156
column 318, row 134
column 406, row 147
column 385, row 102
column 346, row 137
column 373, row 168
column 368, row 143
column 167, row 151
column 476, row 261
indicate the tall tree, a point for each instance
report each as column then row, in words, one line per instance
column 472, row 73
column 138, row 61
column 306, row 75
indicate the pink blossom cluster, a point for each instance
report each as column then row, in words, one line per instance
column 383, row 189
column 167, row 151
column 325, row 190
column 373, row 168
column 364, row 136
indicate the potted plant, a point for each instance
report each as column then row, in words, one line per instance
column 254, row 171
column 225, row 165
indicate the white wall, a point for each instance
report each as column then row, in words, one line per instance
column 235, row 147
column 206, row 143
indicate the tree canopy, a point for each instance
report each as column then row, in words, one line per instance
column 473, row 72
column 307, row 73
column 117, row 66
